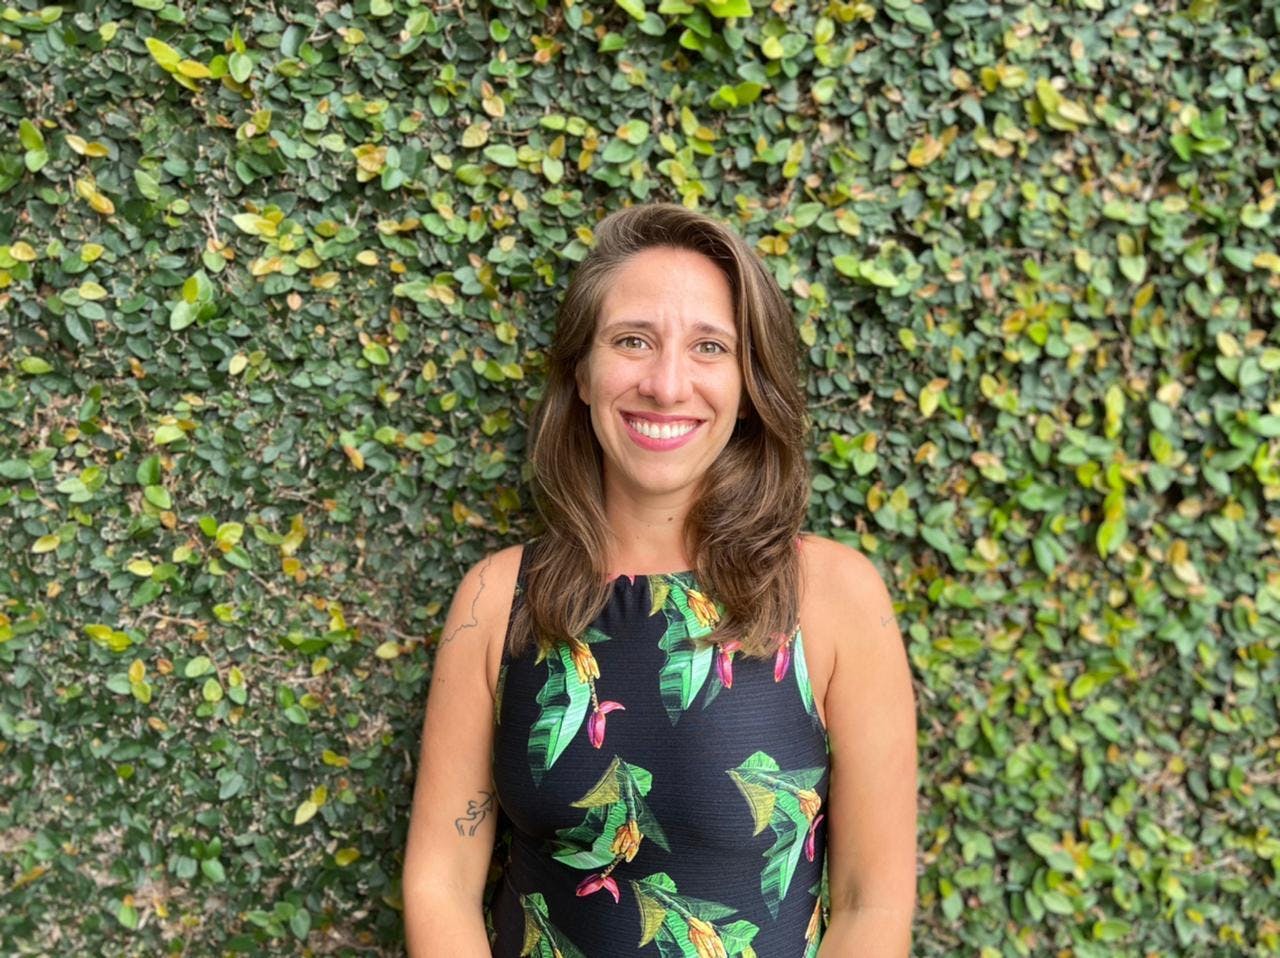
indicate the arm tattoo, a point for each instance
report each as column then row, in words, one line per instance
column 476, row 811
column 474, row 621
column 887, row 620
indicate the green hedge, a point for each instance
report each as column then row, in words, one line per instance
column 276, row 284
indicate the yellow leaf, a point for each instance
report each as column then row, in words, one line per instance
column 46, row 543
column 1073, row 111
column 254, row 225
column 263, row 266
column 925, row 151
column 306, row 811
column 345, row 856
column 237, row 364
column 102, row 204
column 367, row 257
column 89, row 252
column 22, row 251
column 96, row 149
column 371, row 159
column 355, row 456
column 77, row 143
column 1228, row 345
column 929, row 397
column 387, row 650
column 325, row 281
column 140, row 567
column 165, row 55
column 1267, row 260
column 194, row 68
column 91, row 290
column 137, row 670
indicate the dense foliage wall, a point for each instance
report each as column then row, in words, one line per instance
column 275, row 289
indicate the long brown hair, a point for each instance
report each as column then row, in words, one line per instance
column 742, row 531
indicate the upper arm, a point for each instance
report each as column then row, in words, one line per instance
column 452, row 821
column 872, row 724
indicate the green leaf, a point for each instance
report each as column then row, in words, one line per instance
column 147, row 184
column 634, row 8
column 240, row 65
column 29, row 135
column 500, row 153
column 618, row 151
column 634, row 132
column 729, row 8
column 158, row 496
column 183, row 314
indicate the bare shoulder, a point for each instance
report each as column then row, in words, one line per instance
column 484, row 598
column 828, row 563
column 843, row 585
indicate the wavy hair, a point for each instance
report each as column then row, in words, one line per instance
column 742, row 531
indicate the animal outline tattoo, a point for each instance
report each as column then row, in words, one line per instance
column 476, row 812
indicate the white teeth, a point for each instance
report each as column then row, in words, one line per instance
column 664, row 431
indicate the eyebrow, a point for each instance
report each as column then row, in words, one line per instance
column 701, row 327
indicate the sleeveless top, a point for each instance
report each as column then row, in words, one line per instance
column 657, row 795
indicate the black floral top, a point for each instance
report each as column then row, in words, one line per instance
column 657, row 796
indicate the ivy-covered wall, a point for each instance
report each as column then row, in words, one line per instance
column 276, row 282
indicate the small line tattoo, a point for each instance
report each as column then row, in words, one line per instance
column 444, row 640
column 887, row 620
column 476, row 811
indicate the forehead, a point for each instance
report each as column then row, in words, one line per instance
column 661, row 287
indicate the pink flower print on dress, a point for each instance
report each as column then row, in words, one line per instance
column 595, row 724
column 724, row 662
column 593, row 883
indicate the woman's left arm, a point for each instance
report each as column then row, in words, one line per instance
column 871, row 718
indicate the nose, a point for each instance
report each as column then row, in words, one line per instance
column 668, row 380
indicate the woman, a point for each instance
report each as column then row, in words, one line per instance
column 672, row 709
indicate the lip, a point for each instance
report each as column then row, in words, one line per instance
column 655, row 417
column 658, row 445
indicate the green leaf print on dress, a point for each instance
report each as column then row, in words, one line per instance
column 685, row 927
column 617, row 820
column 541, row 938
column 566, row 697
column 817, row 925
column 787, row 803
column 690, row 616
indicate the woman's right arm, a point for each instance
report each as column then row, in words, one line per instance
column 452, row 821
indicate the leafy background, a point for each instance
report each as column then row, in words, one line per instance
column 276, row 282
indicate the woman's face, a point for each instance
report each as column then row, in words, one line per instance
column 663, row 359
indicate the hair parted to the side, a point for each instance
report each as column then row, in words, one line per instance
column 742, row 531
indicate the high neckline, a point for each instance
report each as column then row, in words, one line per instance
column 633, row 577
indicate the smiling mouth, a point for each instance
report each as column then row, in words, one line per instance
column 667, row 430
